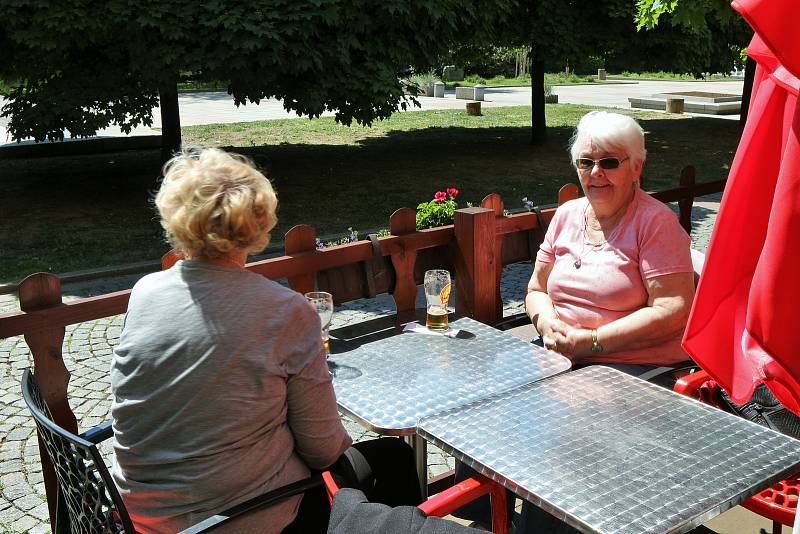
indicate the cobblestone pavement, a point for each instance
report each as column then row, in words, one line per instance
column 87, row 354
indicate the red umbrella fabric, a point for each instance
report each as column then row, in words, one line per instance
column 744, row 326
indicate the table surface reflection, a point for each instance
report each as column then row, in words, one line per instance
column 389, row 383
column 609, row 453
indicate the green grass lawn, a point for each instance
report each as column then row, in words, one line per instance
column 672, row 76
column 559, row 78
column 65, row 214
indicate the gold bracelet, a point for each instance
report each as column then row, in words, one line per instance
column 597, row 348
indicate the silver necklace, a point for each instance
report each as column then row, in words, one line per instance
column 585, row 237
column 578, row 260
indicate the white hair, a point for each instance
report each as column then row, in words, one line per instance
column 610, row 132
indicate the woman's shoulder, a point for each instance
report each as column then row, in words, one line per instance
column 653, row 214
column 569, row 212
column 571, row 206
column 153, row 282
column 274, row 290
column 647, row 205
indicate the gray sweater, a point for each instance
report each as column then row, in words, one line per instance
column 221, row 392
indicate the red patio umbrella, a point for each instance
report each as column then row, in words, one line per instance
column 744, row 328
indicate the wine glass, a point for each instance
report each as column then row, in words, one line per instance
column 322, row 301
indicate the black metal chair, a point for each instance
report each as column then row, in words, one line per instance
column 89, row 502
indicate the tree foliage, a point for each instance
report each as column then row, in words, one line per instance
column 693, row 14
column 81, row 65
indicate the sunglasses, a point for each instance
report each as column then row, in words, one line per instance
column 586, row 164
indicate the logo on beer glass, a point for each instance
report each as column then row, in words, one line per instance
column 437, row 294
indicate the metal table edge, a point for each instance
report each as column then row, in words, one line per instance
column 377, row 429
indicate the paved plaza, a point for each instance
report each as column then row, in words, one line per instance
column 87, row 354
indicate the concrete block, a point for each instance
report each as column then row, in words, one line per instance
column 465, row 93
column 479, row 91
column 438, row 90
column 674, row 105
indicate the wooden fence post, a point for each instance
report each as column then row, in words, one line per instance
column 169, row 259
column 495, row 203
column 38, row 292
column 403, row 222
column 687, row 179
column 475, row 264
column 568, row 192
column 301, row 238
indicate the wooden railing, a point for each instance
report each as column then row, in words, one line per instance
column 475, row 248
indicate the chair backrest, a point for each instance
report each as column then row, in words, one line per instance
column 93, row 503
column 698, row 260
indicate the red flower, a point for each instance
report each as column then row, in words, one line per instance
column 440, row 197
column 452, row 191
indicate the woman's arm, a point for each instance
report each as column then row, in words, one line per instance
column 539, row 306
column 669, row 301
column 311, row 411
column 313, row 417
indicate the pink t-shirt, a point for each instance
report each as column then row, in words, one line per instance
column 648, row 242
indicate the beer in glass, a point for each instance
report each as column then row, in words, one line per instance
column 437, row 294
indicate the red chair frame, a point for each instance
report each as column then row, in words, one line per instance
column 454, row 497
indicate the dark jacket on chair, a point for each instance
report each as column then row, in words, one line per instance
column 353, row 514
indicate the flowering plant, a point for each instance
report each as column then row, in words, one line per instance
column 352, row 237
column 439, row 211
column 528, row 204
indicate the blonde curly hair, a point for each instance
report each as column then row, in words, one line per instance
column 212, row 202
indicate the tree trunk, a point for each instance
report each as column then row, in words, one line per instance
column 538, row 129
column 749, row 75
column 170, row 122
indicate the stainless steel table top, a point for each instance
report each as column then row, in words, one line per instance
column 389, row 384
column 607, row 452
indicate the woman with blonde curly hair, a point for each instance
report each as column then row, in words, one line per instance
column 221, row 389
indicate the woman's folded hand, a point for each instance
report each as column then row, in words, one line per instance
column 569, row 341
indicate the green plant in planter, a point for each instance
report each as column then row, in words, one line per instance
column 439, row 211
column 351, row 237
column 549, row 96
column 424, row 82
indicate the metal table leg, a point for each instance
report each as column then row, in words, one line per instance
column 420, row 447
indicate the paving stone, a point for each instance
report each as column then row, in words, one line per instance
column 12, row 466
column 16, row 491
column 27, row 502
column 19, row 434
column 9, row 515
column 12, row 479
column 437, row 469
column 24, row 524
column 41, row 512
column 41, row 529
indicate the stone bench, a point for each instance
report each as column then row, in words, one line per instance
column 471, row 93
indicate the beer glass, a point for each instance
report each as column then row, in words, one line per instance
column 323, row 303
column 437, row 294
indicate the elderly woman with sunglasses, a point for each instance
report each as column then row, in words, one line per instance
column 613, row 279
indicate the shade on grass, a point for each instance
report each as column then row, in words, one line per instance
column 73, row 213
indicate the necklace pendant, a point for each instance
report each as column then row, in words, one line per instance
column 577, row 263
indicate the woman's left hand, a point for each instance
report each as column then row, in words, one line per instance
column 571, row 342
